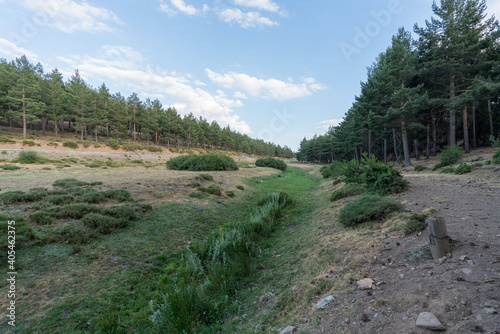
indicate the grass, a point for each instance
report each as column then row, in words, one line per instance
column 367, row 208
column 463, row 169
column 447, row 170
column 348, row 190
column 416, row 223
column 9, row 167
column 70, row 144
column 419, row 168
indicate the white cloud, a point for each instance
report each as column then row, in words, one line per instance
column 325, row 125
column 13, row 51
column 265, row 88
column 180, row 5
column 239, row 95
column 246, row 20
column 122, row 65
column 70, row 16
column 259, row 4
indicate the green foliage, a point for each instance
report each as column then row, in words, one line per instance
column 350, row 189
column 59, row 199
column 6, row 140
column 229, row 193
column 352, row 172
column 463, row 169
column 28, row 143
column 193, row 184
column 240, row 187
column 419, row 168
column 96, row 164
column 113, row 143
column 450, row 155
column 382, row 179
column 271, row 162
column 495, row 142
column 198, row 194
column 121, row 195
column 41, row 218
column 28, row 157
column 69, row 183
column 103, row 224
column 332, row 170
column 10, row 167
column 17, row 196
column 70, row 144
column 367, row 208
column 203, row 162
column 211, row 189
column 447, row 170
column 496, row 157
column 206, row 177
column 4, row 152
column 415, row 223
column 24, row 232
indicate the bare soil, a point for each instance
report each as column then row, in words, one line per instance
column 458, row 289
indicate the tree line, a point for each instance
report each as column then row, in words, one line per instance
column 32, row 99
column 440, row 89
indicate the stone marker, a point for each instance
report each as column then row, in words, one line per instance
column 288, row 330
column 365, row 284
column 429, row 321
column 324, row 302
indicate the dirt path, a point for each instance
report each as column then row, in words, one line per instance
column 463, row 291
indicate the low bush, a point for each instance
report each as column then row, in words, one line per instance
column 240, row 187
column 70, row 144
column 113, row 143
column 96, row 164
column 203, row 162
column 229, row 193
column 193, row 184
column 6, row 140
column 496, row 157
column 69, row 183
column 419, row 168
column 121, row 195
column 4, row 152
column 24, row 232
column 437, row 166
column 350, row 189
column 331, row 170
column 59, row 199
column 495, row 142
column 72, row 235
column 53, row 144
column 10, row 167
column 271, row 162
column 28, row 143
column 463, row 169
column 367, row 208
column 450, row 155
column 206, row 177
column 17, row 196
column 28, row 157
column 198, row 194
column 353, row 173
column 212, row 189
column 477, row 165
column 416, row 223
column 447, row 170
column 382, row 179
column 103, row 224
column 74, row 210
column 41, row 218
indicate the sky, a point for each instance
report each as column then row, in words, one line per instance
column 273, row 69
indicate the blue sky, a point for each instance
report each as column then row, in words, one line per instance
column 273, row 69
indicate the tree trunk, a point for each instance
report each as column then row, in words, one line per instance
column 428, row 146
column 43, row 125
column 490, row 115
column 416, row 148
column 434, row 136
column 82, row 125
column 453, row 139
column 395, row 145
column 466, row 130
column 404, row 136
column 24, row 113
column 474, row 143
column 369, row 143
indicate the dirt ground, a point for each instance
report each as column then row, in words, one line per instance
column 462, row 290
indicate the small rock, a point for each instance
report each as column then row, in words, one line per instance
column 401, row 276
column 442, row 260
column 365, row 284
column 467, row 271
column 490, row 311
column 325, row 302
column 470, row 262
column 463, row 257
column 288, row 330
column 491, row 303
column 429, row 321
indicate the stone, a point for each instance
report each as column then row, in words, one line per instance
column 288, row 330
column 325, row 302
column 490, row 311
column 429, row 321
column 365, row 284
column 467, row 271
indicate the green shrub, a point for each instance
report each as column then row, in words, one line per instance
column 367, row 208
column 59, row 199
column 271, row 162
column 97, row 145
column 198, row 194
column 203, row 162
column 28, row 143
column 69, row 183
column 23, row 231
column 28, row 157
column 212, row 189
column 206, row 177
column 120, row 212
column 121, row 195
column 137, row 161
column 496, row 157
column 70, row 144
column 12, row 197
column 419, row 168
column 353, row 173
column 103, row 224
column 447, row 170
column 437, row 166
column 229, row 193
column 53, row 144
column 477, row 165
column 350, row 189
column 383, row 179
column 74, row 210
column 193, row 184
column 86, row 144
column 240, row 187
column 331, row 170
column 113, row 143
column 41, row 218
column 450, row 155
column 495, row 142
column 10, row 167
column 4, row 152
column 415, row 223
column 463, row 169
column 96, row 164
column 71, row 235
column 6, row 140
